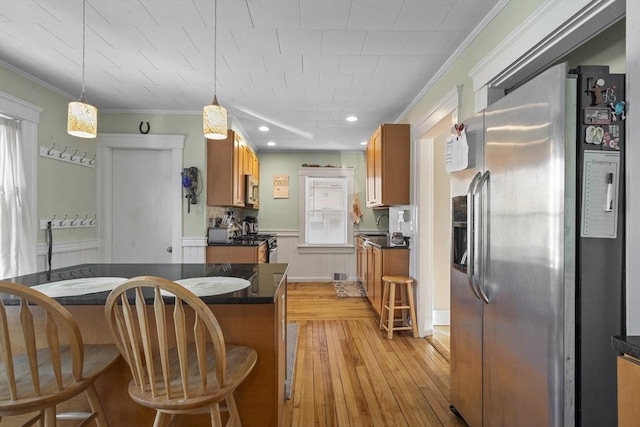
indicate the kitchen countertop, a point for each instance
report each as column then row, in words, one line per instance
column 627, row 344
column 238, row 243
column 265, row 279
column 382, row 241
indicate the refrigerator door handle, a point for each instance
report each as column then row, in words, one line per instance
column 471, row 233
column 479, row 285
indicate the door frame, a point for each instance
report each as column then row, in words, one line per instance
column 105, row 144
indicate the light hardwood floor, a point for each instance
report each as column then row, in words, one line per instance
column 348, row 374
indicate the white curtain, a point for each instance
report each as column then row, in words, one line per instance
column 17, row 251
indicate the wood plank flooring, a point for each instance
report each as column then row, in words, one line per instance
column 348, row 374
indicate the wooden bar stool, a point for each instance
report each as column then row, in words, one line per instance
column 401, row 300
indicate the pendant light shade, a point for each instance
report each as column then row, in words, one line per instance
column 214, row 120
column 214, row 117
column 82, row 120
column 82, row 117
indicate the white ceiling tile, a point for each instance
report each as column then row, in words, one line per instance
column 288, row 94
column 183, row 13
column 300, row 41
column 336, row 42
column 306, row 80
column 275, row 14
column 256, row 94
column 128, row 77
column 423, row 15
column 243, row 62
column 366, row 81
column 234, row 79
column 385, row 42
column 323, row 94
column 380, row 15
column 465, row 14
column 335, row 81
column 358, row 64
column 126, row 60
column 272, row 80
column 319, row 64
column 29, row 11
column 350, row 95
column 256, row 41
column 121, row 13
column 231, row 13
column 167, row 60
column 164, row 37
column 317, row 15
column 395, row 64
column 431, row 42
column 162, row 78
column 34, row 35
column 283, row 63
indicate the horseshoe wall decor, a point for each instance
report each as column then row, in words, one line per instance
column 143, row 131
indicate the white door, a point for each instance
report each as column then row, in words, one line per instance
column 141, row 206
column 139, row 198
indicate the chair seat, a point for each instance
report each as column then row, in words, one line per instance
column 240, row 361
column 96, row 358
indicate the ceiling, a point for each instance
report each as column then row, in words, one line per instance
column 301, row 66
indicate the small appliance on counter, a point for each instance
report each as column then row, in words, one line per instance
column 397, row 239
column 250, row 225
column 221, row 235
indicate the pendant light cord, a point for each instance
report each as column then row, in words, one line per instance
column 84, row 5
column 215, row 51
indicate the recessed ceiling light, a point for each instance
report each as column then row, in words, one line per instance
column 351, row 119
column 271, row 143
column 263, row 128
column 364, row 143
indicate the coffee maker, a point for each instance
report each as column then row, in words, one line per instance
column 250, row 225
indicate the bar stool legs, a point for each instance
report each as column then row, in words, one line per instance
column 402, row 301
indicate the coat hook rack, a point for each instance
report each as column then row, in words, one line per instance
column 65, row 156
column 77, row 222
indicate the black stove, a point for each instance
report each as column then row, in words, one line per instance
column 251, row 239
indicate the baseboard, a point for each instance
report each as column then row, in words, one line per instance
column 441, row 317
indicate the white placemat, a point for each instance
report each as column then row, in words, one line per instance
column 205, row 286
column 83, row 286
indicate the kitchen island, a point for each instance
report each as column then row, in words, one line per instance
column 254, row 316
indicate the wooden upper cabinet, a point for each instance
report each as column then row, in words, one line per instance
column 224, row 167
column 388, row 166
column 228, row 161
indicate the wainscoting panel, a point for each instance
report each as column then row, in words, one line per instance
column 312, row 267
column 194, row 250
column 67, row 253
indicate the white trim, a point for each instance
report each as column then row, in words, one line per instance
column 441, row 317
column 449, row 104
column 554, row 29
column 632, row 180
column 188, row 242
column 105, row 144
column 454, row 56
column 69, row 246
column 422, row 262
column 19, row 109
column 34, row 79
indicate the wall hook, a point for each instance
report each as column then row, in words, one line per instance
column 73, row 155
column 49, row 153
column 142, row 131
column 92, row 161
column 83, row 157
column 73, row 222
column 63, row 220
column 84, row 220
column 63, row 151
column 93, row 221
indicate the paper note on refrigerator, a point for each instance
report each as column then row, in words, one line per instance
column 456, row 155
column 601, row 172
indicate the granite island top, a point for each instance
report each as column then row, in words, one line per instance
column 265, row 279
column 627, row 344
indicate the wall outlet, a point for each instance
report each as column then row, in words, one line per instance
column 337, row 277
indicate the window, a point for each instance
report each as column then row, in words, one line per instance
column 325, row 195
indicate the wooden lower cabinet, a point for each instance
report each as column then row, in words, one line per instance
column 244, row 254
column 382, row 262
column 628, row 391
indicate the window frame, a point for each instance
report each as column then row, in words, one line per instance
column 324, row 172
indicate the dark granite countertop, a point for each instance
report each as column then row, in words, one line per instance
column 627, row 344
column 382, row 241
column 265, row 279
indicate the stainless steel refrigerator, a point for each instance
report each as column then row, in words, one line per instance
column 537, row 259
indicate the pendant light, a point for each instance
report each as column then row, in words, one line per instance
column 214, row 117
column 82, row 117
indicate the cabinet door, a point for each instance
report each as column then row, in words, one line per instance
column 221, row 173
column 232, row 254
column 238, row 174
column 376, row 278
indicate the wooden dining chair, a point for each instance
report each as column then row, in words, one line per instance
column 43, row 361
column 174, row 346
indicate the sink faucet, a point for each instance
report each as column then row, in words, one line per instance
column 380, row 217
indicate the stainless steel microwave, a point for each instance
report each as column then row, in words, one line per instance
column 251, row 190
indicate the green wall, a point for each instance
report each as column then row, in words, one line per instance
column 282, row 214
